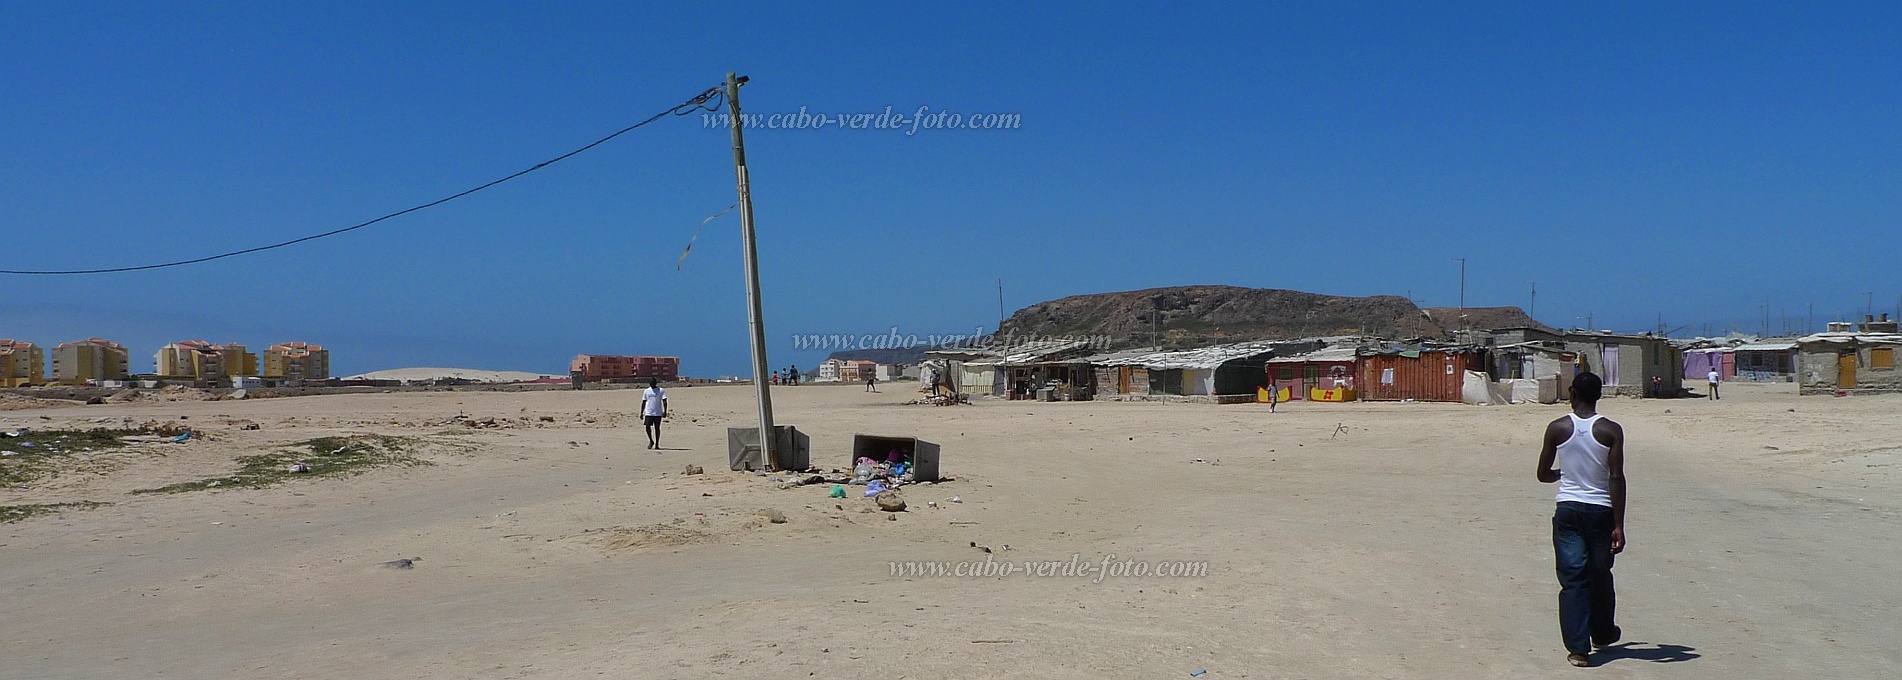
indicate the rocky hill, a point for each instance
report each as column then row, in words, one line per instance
column 1187, row 316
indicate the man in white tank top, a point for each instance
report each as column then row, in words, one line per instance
column 1588, row 527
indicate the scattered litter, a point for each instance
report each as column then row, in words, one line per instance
column 956, row 499
column 405, row 563
column 694, row 470
column 1198, row 673
column 838, row 491
column 16, row 433
column 299, row 467
column 182, row 436
column 874, row 488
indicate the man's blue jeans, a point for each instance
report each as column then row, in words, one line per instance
column 1581, row 539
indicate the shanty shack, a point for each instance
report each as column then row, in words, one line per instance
column 1765, row 361
column 1020, row 371
column 1846, row 361
column 1327, row 374
column 1700, row 361
column 1417, row 374
column 1116, row 377
column 1222, row 374
column 1629, row 363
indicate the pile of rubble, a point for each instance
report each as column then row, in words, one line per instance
column 14, row 402
column 166, row 393
column 939, row 400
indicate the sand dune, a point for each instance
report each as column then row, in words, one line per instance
column 471, row 374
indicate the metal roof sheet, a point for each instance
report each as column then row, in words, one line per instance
column 1201, row 357
column 1326, row 354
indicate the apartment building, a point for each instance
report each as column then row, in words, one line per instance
column 205, row 363
column 296, row 361
column 21, row 363
column 853, row 371
column 78, row 361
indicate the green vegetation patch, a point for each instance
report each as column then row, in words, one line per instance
column 15, row 513
column 37, row 453
column 320, row 457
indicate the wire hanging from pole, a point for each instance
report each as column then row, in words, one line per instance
column 709, row 100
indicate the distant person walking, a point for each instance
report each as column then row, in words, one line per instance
column 1712, row 376
column 1274, row 395
column 1588, row 528
column 871, row 382
column 653, row 409
column 792, row 375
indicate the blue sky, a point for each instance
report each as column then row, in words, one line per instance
column 1695, row 161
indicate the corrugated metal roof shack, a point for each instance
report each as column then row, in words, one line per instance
column 1420, row 375
column 989, row 370
column 1223, row 374
column 1300, row 376
column 1770, row 360
column 1842, row 360
column 1115, row 377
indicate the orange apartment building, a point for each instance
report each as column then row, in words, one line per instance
column 21, row 363
column 204, row 363
column 602, row 367
column 78, row 361
column 296, row 361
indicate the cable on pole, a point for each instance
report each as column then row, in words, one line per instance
column 710, row 100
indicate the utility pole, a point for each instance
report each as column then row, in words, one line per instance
column 1534, row 312
column 1000, row 303
column 755, row 317
column 1462, row 262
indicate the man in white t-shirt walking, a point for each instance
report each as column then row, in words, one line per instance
column 1588, row 528
column 1712, row 376
column 653, row 408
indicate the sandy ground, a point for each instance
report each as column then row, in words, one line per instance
column 1357, row 540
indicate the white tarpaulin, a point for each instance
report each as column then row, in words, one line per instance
column 1528, row 391
column 1475, row 389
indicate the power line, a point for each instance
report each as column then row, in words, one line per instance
column 708, row 100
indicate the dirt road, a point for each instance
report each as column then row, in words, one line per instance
column 1355, row 540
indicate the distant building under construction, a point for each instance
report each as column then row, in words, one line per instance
column 609, row 367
